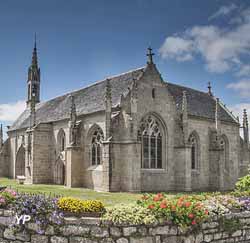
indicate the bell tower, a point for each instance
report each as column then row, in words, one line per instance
column 33, row 79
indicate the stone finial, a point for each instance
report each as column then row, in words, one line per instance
column 209, row 89
column 245, row 127
column 184, row 101
column 108, row 90
column 245, row 120
column 184, row 116
column 108, row 109
column 73, row 115
column 150, row 55
column 1, row 136
column 217, row 113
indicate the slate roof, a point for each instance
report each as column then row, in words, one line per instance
column 199, row 103
column 91, row 99
column 88, row 100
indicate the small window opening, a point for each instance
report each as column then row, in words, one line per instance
column 153, row 93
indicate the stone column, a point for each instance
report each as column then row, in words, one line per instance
column 28, row 156
column 187, row 164
column 183, row 176
column 107, row 166
column 215, row 179
column 73, row 172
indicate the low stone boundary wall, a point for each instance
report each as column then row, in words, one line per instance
column 233, row 228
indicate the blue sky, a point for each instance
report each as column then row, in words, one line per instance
column 80, row 42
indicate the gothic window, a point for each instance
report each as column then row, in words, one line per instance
column 151, row 137
column 96, row 146
column 194, row 151
column 61, row 140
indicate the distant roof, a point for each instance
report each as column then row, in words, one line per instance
column 91, row 99
column 199, row 103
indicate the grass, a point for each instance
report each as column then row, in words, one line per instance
column 108, row 198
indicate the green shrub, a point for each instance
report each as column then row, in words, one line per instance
column 130, row 215
column 243, row 183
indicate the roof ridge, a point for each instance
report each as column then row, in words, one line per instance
column 90, row 85
column 203, row 92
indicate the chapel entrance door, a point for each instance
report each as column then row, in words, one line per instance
column 59, row 175
column 20, row 162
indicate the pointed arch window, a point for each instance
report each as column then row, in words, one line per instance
column 150, row 134
column 61, row 141
column 96, row 147
column 193, row 140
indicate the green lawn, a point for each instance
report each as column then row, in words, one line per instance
column 108, row 198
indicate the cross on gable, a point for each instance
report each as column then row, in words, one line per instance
column 150, row 55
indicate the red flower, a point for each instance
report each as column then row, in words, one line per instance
column 163, row 205
column 151, row 206
column 156, row 198
column 188, row 204
column 191, row 216
column 206, row 212
column 193, row 222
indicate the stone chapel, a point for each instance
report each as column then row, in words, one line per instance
column 131, row 132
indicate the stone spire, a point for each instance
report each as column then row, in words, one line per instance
column 150, row 55
column 34, row 77
column 209, row 89
column 1, row 136
column 108, row 107
column 245, row 127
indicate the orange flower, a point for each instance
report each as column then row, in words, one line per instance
column 144, row 197
column 179, row 204
column 193, row 222
column 187, row 204
column 173, row 208
column 151, row 206
column 191, row 216
column 156, row 198
column 163, row 205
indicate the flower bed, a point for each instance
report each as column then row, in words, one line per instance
column 185, row 211
column 75, row 206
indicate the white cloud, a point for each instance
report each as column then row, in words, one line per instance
column 242, row 86
column 222, row 49
column 176, row 47
column 244, row 71
column 223, row 10
column 10, row 112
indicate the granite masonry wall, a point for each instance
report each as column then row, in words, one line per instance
column 235, row 228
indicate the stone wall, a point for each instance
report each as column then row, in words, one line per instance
column 90, row 230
